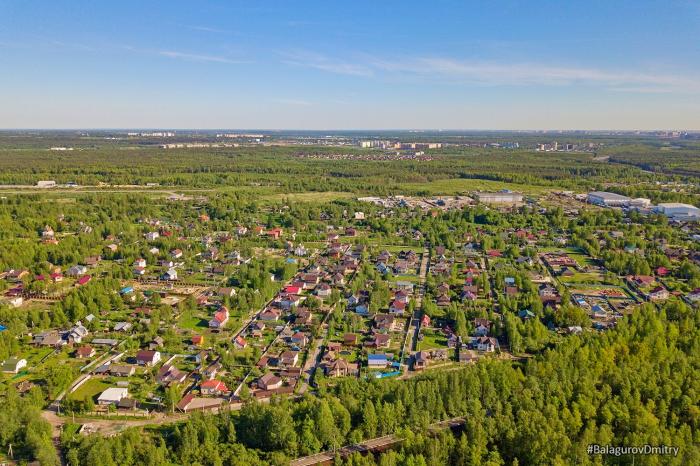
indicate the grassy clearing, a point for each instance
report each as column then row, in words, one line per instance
column 325, row 196
column 463, row 185
column 583, row 277
column 195, row 323
column 89, row 389
column 432, row 340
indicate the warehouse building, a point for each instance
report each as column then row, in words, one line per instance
column 502, row 197
column 678, row 211
column 602, row 198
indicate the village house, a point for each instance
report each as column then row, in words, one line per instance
column 341, row 368
column 214, row 387
column 226, row 292
column 220, row 318
column 377, row 361
column 467, row 356
column 380, row 340
column 170, row 274
column 112, row 396
column 121, row 370
column 385, row 322
column 83, row 352
column 13, row 365
column 269, row 381
column 76, row 270
column 323, row 290
column 303, row 316
column 156, row 343
column 289, row 358
column 197, row 340
column 50, row 338
column 47, row 233
column 147, row 357
column 92, row 261
column 300, row 339
column 84, row 280
column 169, row 374
column 350, row 339
column 269, row 315
column 486, row 344
column 211, row 370
column 287, row 301
column 397, row 308
column 239, row 342
column 443, row 300
column 421, row 360
column 77, row 333
column 482, row 327
column 659, row 293
column 122, row 327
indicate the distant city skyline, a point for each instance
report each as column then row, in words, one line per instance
column 452, row 65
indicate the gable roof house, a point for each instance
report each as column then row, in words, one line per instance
column 147, row 357
column 289, row 358
column 482, row 327
column 380, row 340
column 397, row 307
column 112, row 396
column 169, row 374
column 13, row 365
column 121, row 370
column 486, row 344
column 86, row 351
column 214, row 387
column 220, row 318
column 384, row 322
column 341, row 368
column 269, row 381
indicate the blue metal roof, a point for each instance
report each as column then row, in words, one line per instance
column 376, row 357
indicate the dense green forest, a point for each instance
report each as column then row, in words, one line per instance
column 282, row 167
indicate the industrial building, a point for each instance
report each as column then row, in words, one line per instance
column 678, row 211
column 503, row 197
column 608, row 199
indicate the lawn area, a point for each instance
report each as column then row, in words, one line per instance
column 89, row 389
column 582, row 259
column 34, row 355
column 193, row 322
column 413, row 278
column 581, row 277
column 432, row 340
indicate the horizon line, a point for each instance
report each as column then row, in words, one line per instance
column 407, row 129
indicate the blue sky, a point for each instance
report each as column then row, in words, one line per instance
column 493, row 64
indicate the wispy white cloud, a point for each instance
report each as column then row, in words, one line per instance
column 323, row 63
column 485, row 73
column 208, row 29
column 196, row 57
column 490, row 73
